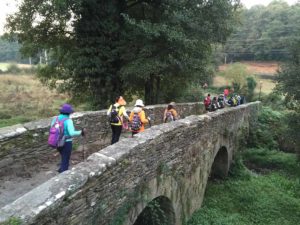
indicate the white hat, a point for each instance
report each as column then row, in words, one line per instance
column 139, row 102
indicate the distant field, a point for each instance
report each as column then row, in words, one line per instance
column 256, row 68
column 23, row 98
column 4, row 66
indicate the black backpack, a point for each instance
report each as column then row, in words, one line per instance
column 114, row 114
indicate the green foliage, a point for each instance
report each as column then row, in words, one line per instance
column 237, row 74
column 270, row 199
column 271, row 130
column 288, row 78
column 275, row 101
column 8, row 120
column 265, row 159
column 12, row 221
column 13, row 68
column 251, row 85
column 264, row 32
column 9, row 51
column 289, row 84
column 238, row 170
column 100, row 49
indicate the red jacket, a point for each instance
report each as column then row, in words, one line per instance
column 207, row 101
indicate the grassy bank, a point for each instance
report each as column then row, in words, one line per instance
column 268, row 194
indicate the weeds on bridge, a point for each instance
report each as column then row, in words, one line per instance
column 12, row 221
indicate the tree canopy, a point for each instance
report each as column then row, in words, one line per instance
column 99, row 49
column 264, row 32
column 289, row 76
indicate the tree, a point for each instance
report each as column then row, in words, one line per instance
column 236, row 74
column 288, row 83
column 99, row 49
column 264, row 32
column 288, row 80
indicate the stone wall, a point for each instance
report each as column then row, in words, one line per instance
column 23, row 148
column 114, row 185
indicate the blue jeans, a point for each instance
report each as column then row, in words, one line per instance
column 65, row 153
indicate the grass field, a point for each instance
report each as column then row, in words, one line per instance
column 23, row 98
column 257, row 69
column 5, row 66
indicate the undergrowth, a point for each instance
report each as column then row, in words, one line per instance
column 249, row 197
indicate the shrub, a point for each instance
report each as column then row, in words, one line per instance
column 251, row 85
column 14, row 69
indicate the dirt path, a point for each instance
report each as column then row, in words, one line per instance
column 14, row 186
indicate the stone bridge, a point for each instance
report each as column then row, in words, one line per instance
column 158, row 177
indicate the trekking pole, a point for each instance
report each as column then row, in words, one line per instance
column 149, row 119
column 83, row 148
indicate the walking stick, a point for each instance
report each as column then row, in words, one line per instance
column 83, row 148
column 149, row 119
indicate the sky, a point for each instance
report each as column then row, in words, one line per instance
column 10, row 6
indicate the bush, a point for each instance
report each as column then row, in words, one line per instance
column 251, row 85
column 274, row 100
column 14, row 69
column 4, row 115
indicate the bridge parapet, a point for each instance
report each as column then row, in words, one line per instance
column 23, row 147
column 115, row 184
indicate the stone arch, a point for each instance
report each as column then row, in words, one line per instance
column 159, row 211
column 220, row 166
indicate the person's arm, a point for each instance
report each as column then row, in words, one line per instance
column 143, row 117
column 165, row 115
column 124, row 113
column 109, row 110
column 71, row 130
column 131, row 117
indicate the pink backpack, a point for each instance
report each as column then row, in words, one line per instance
column 56, row 137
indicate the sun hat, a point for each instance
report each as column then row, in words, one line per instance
column 66, row 109
column 139, row 102
column 172, row 103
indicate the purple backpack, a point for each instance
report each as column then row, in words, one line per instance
column 56, row 137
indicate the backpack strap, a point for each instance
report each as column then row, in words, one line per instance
column 56, row 121
column 62, row 123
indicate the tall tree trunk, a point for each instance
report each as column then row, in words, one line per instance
column 149, row 97
column 157, row 90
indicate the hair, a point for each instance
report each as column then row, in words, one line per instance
column 117, row 98
column 208, row 95
column 66, row 114
column 170, row 107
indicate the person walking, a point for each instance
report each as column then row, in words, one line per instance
column 116, row 113
column 207, row 103
column 68, row 132
column 138, row 118
column 170, row 114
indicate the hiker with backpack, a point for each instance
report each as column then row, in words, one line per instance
column 170, row 114
column 116, row 114
column 61, row 132
column 207, row 103
column 138, row 118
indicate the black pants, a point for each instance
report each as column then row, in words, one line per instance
column 116, row 133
